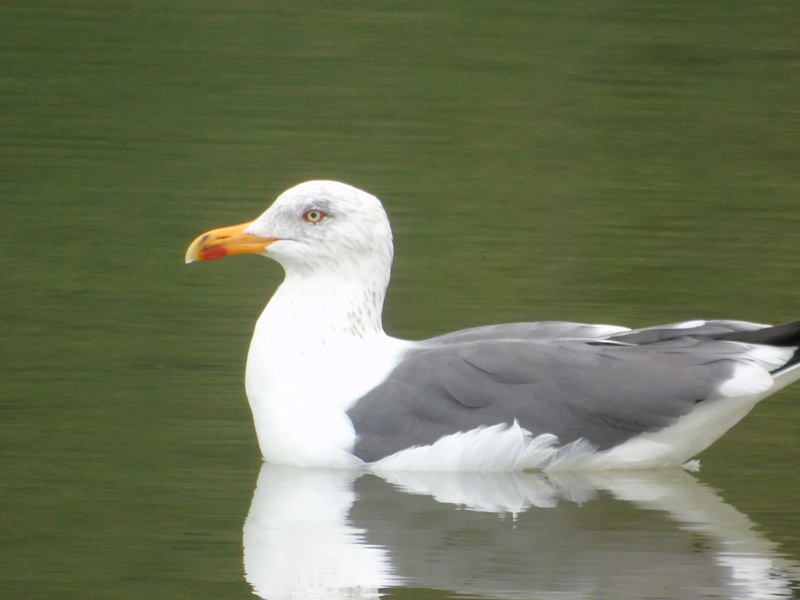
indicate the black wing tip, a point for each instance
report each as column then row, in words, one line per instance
column 787, row 334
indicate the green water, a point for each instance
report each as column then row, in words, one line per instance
column 620, row 162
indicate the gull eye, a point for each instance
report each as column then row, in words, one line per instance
column 313, row 216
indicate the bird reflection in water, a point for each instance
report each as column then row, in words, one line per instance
column 315, row 533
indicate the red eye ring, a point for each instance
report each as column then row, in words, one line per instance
column 313, row 216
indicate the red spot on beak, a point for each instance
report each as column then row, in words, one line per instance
column 214, row 253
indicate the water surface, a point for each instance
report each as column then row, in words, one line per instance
column 609, row 162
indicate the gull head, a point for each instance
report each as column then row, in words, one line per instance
column 316, row 226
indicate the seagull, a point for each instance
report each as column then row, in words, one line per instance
column 328, row 388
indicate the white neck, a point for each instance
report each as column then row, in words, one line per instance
column 317, row 347
column 331, row 303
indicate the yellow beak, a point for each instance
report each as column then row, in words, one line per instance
column 227, row 241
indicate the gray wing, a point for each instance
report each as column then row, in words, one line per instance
column 602, row 390
column 539, row 330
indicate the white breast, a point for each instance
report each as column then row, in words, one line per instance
column 303, row 377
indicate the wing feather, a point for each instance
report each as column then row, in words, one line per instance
column 605, row 389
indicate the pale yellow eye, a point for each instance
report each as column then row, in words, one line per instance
column 313, row 216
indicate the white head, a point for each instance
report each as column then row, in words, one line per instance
column 317, row 226
column 326, row 225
